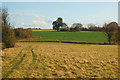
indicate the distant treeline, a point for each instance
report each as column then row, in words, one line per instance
column 59, row 25
column 75, row 29
column 92, row 29
column 33, row 28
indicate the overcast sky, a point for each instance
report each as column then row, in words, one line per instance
column 42, row 14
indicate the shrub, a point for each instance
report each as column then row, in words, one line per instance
column 23, row 33
column 8, row 37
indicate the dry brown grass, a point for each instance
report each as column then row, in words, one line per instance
column 60, row 60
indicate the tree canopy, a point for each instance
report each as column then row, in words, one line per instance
column 109, row 30
column 58, row 23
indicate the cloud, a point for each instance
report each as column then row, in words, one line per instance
column 36, row 21
column 39, row 21
column 22, row 23
column 54, row 19
column 16, row 14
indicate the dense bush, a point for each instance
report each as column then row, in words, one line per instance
column 8, row 37
column 23, row 33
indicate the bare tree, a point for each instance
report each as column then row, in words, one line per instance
column 109, row 30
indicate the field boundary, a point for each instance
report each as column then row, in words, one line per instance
column 74, row 42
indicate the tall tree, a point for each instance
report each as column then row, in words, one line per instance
column 56, row 24
column 109, row 30
column 8, row 36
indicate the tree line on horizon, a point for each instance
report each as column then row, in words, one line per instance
column 10, row 35
column 59, row 25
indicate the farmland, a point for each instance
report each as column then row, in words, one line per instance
column 59, row 60
column 51, row 40
column 71, row 36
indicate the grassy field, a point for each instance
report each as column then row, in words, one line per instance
column 71, row 36
column 60, row 60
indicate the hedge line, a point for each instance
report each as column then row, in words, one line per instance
column 70, row 42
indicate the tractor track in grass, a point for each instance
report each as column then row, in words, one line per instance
column 15, row 66
column 34, row 57
column 17, row 56
column 33, row 60
column 16, row 61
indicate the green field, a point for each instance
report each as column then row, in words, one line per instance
column 71, row 36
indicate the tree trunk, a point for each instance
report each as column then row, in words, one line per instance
column 57, row 29
column 109, row 39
